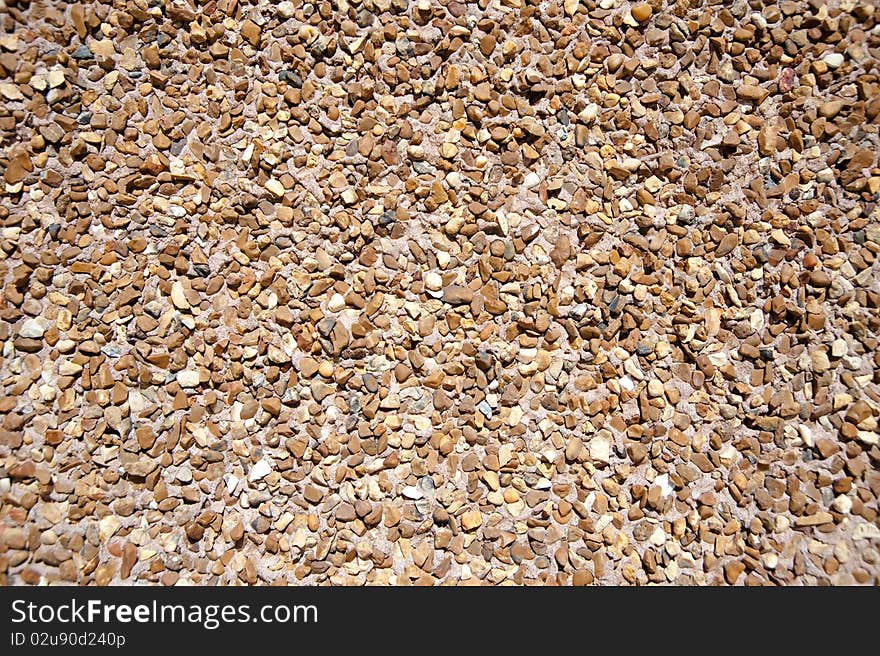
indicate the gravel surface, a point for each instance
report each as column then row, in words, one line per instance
column 427, row 292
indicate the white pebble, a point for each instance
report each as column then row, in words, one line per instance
column 842, row 504
column 188, row 378
column 833, row 60
column 286, row 9
column 33, row 328
column 260, row 470
column 532, row 179
column 663, row 482
column 433, row 281
column 336, row 303
column 600, row 448
column 412, row 492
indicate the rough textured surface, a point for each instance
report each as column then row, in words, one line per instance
column 433, row 292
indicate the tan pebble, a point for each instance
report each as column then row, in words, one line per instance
column 641, row 12
column 471, row 520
